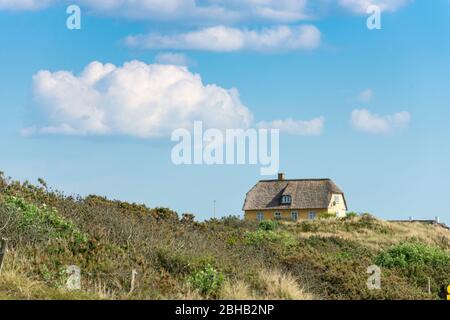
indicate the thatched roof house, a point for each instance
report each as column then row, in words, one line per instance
column 294, row 199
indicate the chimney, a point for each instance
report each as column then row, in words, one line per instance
column 437, row 220
column 280, row 176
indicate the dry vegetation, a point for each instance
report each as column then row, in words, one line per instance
column 178, row 258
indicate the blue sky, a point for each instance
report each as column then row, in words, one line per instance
column 383, row 95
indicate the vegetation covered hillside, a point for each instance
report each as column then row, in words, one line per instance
column 178, row 258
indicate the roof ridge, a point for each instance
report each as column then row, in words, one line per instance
column 311, row 179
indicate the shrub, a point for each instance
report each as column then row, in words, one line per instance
column 308, row 226
column 268, row 225
column 180, row 263
column 327, row 216
column 410, row 254
column 261, row 237
column 351, row 215
column 187, row 218
column 236, row 222
column 42, row 220
column 160, row 213
column 174, row 263
column 207, row 281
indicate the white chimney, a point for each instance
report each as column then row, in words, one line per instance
column 437, row 219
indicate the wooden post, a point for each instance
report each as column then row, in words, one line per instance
column 3, row 249
column 133, row 280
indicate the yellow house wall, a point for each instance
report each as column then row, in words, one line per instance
column 285, row 214
column 337, row 208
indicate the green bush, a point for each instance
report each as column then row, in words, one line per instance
column 351, row 215
column 413, row 254
column 327, row 216
column 261, row 237
column 268, row 225
column 207, row 281
column 42, row 220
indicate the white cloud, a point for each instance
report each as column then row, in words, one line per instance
column 360, row 6
column 296, row 127
column 170, row 10
column 275, row 10
column 24, row 4
column 141, row 100
column 221, row 38
column 207, row 10
column 135, row 99
column 366, row 95
column 363, row 120
column 178, row 59
column 210, row 11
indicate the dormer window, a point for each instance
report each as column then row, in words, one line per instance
column 286, row 199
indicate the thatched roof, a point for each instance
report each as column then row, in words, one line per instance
column 305, row 194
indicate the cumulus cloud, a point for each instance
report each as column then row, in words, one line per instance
column 178, row 59
column 140, row 100
column 365, row 121
column 222, row 38
column 360, row 6
column 296, row 127
column 366, row 95
column 135, row 99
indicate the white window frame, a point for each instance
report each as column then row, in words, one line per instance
column 286, row 199
column 337, row 198
column 277, row 215
column 292, row 215
column 312, row 215
column 260, row 216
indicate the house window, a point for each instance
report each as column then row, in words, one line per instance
column 294, row 215
column 277, row 215
column 260, row 216
column 286, row 199
column 312, row 215
column 336, row 199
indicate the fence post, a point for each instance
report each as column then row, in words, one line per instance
column 3, row 249
column 429, row 285
column 133, row 280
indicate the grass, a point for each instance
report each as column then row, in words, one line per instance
column 178, row 258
